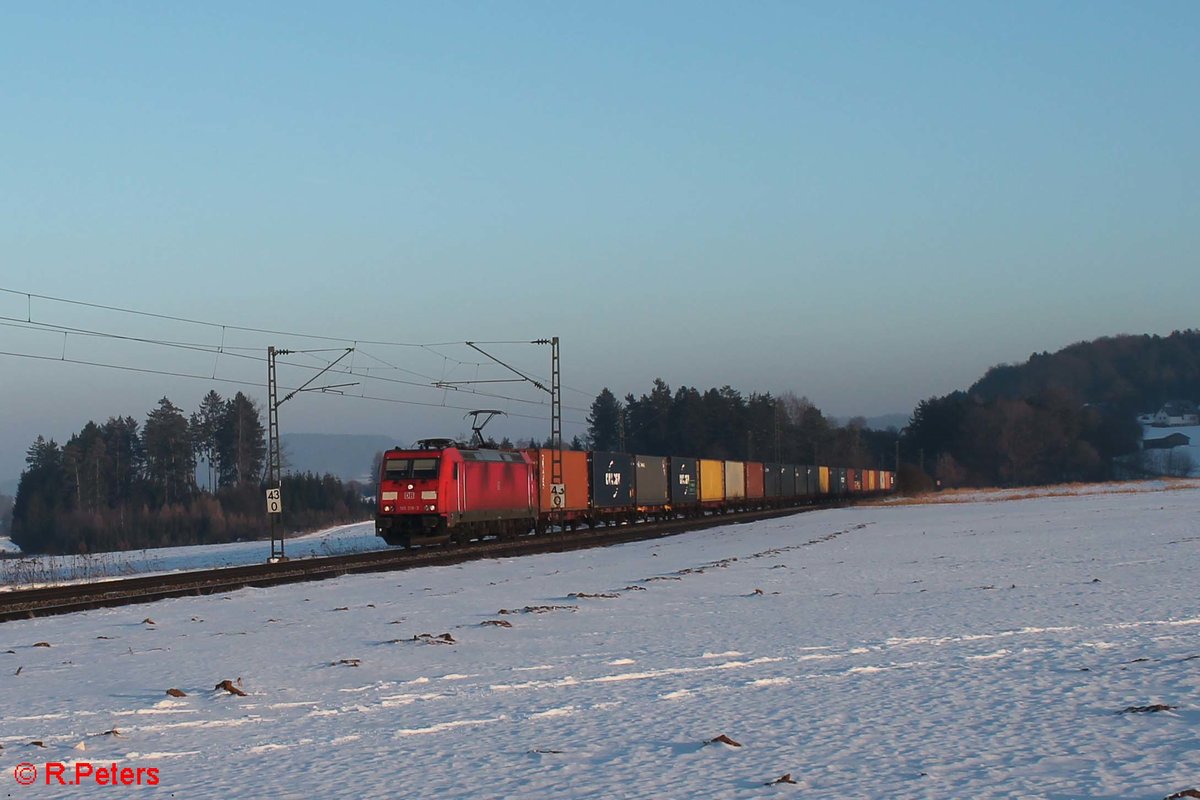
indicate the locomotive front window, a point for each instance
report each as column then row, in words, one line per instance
column 397, row 469
column 406, row 469
column 425, row 468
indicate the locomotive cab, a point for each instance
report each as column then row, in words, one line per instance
column 409, row 492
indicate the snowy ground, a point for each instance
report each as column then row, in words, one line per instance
column 29, row 571
column 1052, row 490
column 981, row 650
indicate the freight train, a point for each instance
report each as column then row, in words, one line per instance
column 440, row 491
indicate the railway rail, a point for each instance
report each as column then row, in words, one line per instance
column 64, row 599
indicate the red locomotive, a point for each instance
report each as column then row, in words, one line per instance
column 440, row 492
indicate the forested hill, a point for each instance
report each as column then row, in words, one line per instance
column 1131, row 374
column 1066, row 416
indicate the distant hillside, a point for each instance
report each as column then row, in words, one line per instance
column 348, row 456
column 880, row 423
column 1129, row 374
column 886, row 421
column 1059, row 417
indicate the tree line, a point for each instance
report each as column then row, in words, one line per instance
column 118, row 485
column 1058, row 417
column 1051, row 437
column 725, row 424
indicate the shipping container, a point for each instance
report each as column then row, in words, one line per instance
column 773, row 480
column 685, row 481
column 872, row 480
column 755, row 480
column 814, row 479
column 854, row 480
column 712, row 480
column 651, row 482
column 823, row 478
column 612, row 479
column 787, row 481
column 735, row 480
column 575, row 480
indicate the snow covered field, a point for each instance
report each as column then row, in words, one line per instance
column 38, row 570
column 982, row 650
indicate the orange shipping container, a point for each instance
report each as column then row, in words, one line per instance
column 754, row 479
column 575, row 479
column 872, row 477
column 712, row 481
column 824, row 479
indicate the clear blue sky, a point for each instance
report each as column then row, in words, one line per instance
column 865, row 203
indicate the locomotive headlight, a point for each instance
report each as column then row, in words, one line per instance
column 410, row 486
column 387, row 508
column 431, row 508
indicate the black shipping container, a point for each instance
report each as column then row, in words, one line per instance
column 651, row 486
column 787, row 481
column 812, row 480
column 685, row 481
column 773, row 480
column 612, row 480
column 838, row 479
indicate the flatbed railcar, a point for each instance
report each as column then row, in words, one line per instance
column 440, row 491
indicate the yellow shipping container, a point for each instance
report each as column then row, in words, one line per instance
column 735, row 480
column 823, row 479
column 712, row 481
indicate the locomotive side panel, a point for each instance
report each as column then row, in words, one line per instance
column 495, row 484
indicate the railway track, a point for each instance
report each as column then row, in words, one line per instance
column 51, row 600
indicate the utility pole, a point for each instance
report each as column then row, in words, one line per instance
column 274, row 478
column 555, row 392
column 556, row 461
column 274, row 458
column 777, row 431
